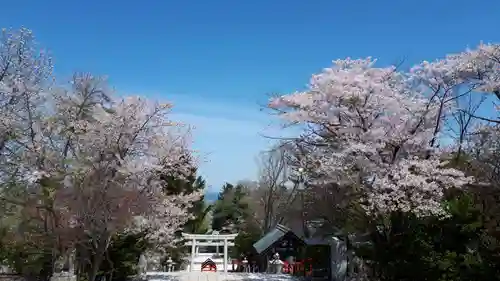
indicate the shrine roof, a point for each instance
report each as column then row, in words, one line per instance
column 208, row 262
column 318, row 241
column 271, row 237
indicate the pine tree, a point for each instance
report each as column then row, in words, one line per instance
column 232, row 214
column 224, row 209
column 231, row 209
column 191, row 183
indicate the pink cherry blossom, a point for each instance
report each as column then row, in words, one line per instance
column 92, row 157
column 377, row 124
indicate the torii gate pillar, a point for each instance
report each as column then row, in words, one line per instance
column 209, row 240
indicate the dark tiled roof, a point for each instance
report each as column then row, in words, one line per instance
column 318, row 241
column 208, row 262
column 316, row 236
column 272, row 236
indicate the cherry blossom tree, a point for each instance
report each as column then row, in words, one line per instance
column 88, row 160
column 116, row 152
column 477, row 72
column 381, row 126
column 25, row 75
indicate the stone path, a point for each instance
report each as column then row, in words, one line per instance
column 217, row 276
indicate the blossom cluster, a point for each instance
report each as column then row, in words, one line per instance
column 381, row 126
column 96, row 156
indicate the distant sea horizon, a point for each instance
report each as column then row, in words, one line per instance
column 211, row 196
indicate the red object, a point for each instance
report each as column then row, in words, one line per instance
column 208, row 265
column 286, row 267
column 299, row 266
column 209, row 268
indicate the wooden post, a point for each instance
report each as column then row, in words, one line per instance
column 193, row 246
column 225, row 255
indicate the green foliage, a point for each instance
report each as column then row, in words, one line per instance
column 190, row 184
column 409, row 248
column 123, row 255
column 199, row 210
column 32, row 260
column 232, row 213
column 231, row 209
column 200, row 223
column 243, row 243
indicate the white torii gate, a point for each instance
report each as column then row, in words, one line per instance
column 214, row 239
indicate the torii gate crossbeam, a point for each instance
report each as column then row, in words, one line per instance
column 210, row 240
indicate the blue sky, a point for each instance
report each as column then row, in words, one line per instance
column 218, row 60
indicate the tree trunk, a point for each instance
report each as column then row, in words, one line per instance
column 111, row 266
column 94, row 267
column 47, row 268
column 97, row 258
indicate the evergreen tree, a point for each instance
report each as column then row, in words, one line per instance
column 225, row 209
column 191, row 183
column 232, row 214
column 199, row 210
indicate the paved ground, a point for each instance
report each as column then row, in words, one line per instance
column 216, row 276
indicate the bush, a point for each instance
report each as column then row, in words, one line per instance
column 407, row 248
column 122, row 256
